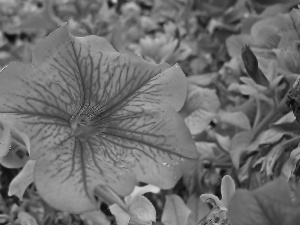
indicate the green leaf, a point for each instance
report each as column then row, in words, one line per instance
column 22, row 180
column 235, row 44
column 287, row 40
column 199, row 120
column 248, row 90
column 295, row 157
column 270, row 204
column 239, row 145
column 198, row 208
column 293, row 99
column 202, row 80
column 237, row 119
column 267, row 32
column 274, row 157
column 26, row 219
column 175, row 211
column 97, row 117
column 251, row 83
column 201, row 106
column 270, row 136
column 295, row 17
column 287, row 169
column 288, row 57
column 251, row 65
column 223, row 141
column 247, row 23
column 44, row 20
column 206, row 150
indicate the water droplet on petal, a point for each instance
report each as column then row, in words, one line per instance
column 175, row 163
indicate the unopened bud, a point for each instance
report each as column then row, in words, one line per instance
column 251, row 66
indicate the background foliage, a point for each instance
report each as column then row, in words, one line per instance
column 241, row 59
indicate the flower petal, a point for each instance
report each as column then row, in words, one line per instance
column 109, row 79
column 5, row 139
column 122, row 217
column 157, row 146
column 72, row 74
column 106, row 76
column 16, row 157
column 227, row 189
column 60, row 41
column 30, row 103
column 26, row 219
column 67, row 177
column 143, row 209
column 15, row 145
column 22, row 180
column 166, row 89
column 141, row 191
column 215, row 200
column 151, row 151
column 41, row 100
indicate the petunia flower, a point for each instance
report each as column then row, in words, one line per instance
column 135, row 209
column 163, row 48
column 93, row 117
column 227, row 191
column 219, row 211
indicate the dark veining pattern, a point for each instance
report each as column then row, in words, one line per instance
column 92, row 108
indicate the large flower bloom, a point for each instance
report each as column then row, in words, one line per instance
column 94, row 116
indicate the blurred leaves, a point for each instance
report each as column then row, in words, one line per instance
column 271, row 204
column 201, row 106
column 175, row 211
column 26, row 219
column 241, row 59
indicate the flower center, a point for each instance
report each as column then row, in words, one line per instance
column 81, row 125
column 87, row 121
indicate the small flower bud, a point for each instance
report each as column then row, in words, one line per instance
column 251, row 66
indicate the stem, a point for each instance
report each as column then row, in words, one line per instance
column 291, row 143
column 272, row 116
column 258, row 113
column 244, row 107
column 223, row 165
